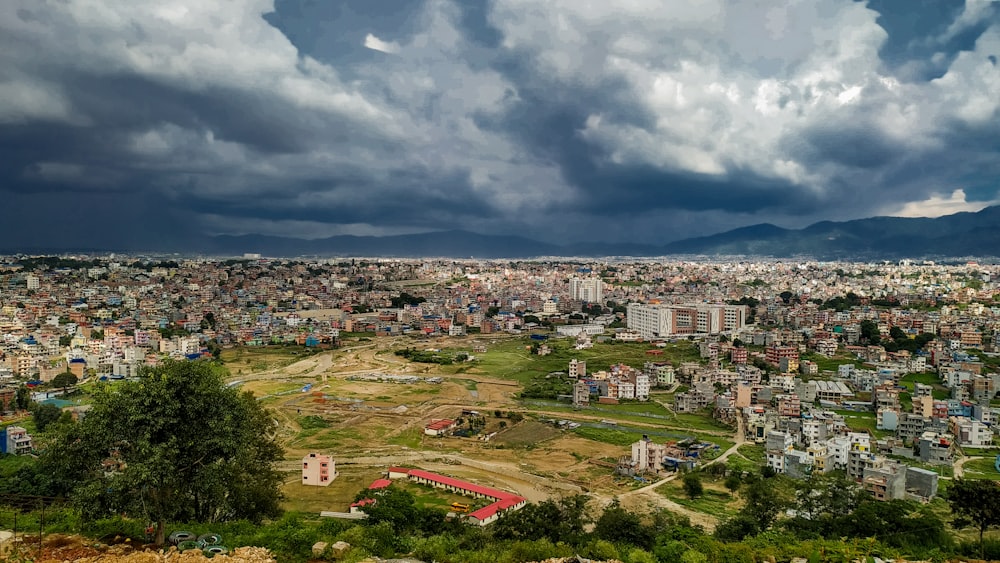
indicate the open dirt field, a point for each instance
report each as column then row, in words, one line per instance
column 369, row 425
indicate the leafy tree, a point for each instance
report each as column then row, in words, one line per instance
column 22, row 398
column 693, row 487
column 736, row 528
column 618, row 525
column 64, row 380
column 44, row 415
column 869, row 331
column 763, row 504
column 733, row 483
column 975, row 502
column 562, row 520
column 180, row 445
column 896, row 333
column 392, row 505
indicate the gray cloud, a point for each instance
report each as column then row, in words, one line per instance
column 545, row 118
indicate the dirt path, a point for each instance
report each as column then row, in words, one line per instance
column 646, row 498
column 960, row 463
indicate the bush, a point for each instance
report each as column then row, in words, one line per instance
column 106, row 529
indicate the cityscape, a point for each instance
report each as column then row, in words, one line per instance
column 617, row 380
column 500, row 281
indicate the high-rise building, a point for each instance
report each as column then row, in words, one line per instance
column 588, row 290
column 657, row 321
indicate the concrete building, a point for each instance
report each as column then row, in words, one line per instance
column 777, row 445
column 885, row 480
column 318, row 470
column 971, row 433
column 588, row 290
column 15, row 440
column 581, row 394
column 934, row 448
column 648, row 455
column 659, row 321
column 921, row 483
column 661, row 374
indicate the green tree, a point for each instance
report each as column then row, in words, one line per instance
column 44, row 415
column 733, row 483
column 620, row 526
column 869, row 331
column 563, row 520
column 763, row 503
column 22, row 398
column 975, row 502
column 182, row 445
column 693, row 487
column 64, row 380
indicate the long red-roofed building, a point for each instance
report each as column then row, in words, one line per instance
column 503, row 501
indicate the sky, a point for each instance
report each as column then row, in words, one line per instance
column 561, row 120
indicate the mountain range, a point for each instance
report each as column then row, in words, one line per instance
column 959, row 235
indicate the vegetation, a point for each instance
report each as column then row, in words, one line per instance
column 692, row 485
column 975, row 503
column 426, row 357
column 175, row 445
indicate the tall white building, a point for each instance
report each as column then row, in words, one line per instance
column 33, row 281
column 588, row 290
column 652, row 321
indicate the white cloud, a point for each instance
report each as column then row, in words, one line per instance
column 936, row 206
column 377, row 44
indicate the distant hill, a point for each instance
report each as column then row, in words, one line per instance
column 961, row 234
column 958, row 235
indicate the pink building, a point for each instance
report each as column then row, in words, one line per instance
column 319, row 470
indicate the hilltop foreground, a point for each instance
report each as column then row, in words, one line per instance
column 58, row 549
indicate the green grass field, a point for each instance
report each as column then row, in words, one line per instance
column 511, row 359
column 753, row 452
column 981, row 469
column 715, row 501
column 927, row 378
column 859, row 421
column 608, row 436
column 831, row 364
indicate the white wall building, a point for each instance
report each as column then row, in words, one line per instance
column 659, row 321
column 588, row 290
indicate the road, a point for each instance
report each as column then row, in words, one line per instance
column 648, row 493
column 960, row 463
column 372, row 357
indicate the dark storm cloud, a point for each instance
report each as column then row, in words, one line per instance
column 315, row 118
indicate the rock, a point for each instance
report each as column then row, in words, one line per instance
column 340, row 548
column 318, row 548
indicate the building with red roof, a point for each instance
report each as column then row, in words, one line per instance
column 379, row 484
column 439, row 427
column 503, row 500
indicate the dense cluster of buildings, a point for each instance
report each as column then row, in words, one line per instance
column 767, row 333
